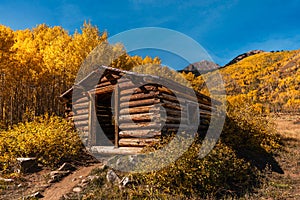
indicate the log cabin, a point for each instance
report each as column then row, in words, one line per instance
column 121, row 112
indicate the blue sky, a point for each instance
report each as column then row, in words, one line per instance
column 225, row 28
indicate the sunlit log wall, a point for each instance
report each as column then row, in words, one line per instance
column 144, row 114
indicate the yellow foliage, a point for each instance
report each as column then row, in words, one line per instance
column 49, row 138
column 38, row 65
column 269, row 80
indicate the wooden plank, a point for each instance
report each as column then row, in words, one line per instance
column 182, row 95
column 81, row 117
column 140, row 133
column 102, row 90
column 171, row 106
column 143, row 102
column 140, row 125
column 179, row 87
column 204, row 112
column 82, row 128
column 103, row 84
column 116, row 117
column 138, row 96
column 168, row 97
column 205, row 116
column 205, row 107
column 81, row 123
column 81, row 105
column 104, row 115
column 171, row 98
column 137, row 142
column 140, row 117
column 80, row 111
column 112, row 150
column 137, row 90
column 83, row 99
column 128, row 84
column 91, row 121
column 175, row 113
column 140, row 109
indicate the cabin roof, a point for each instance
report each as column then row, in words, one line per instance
column 134, row 76
column 101, row 70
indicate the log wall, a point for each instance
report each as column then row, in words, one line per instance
column 139, row 116
column 80, row 114
column 145, row 113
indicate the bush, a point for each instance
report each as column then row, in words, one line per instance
column 233, row 167
column 49, row 138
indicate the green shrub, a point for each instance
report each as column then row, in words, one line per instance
column 49, row 138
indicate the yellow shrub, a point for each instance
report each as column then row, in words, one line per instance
column 49, row 138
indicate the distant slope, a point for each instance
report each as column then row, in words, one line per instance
column 201, row 67
column 269, row 81
column 242, row 56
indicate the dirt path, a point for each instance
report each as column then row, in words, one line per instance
column 57, row 190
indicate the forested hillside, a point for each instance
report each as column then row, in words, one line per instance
column 37, row 65
column 270, row 81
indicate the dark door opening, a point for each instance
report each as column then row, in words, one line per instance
column 103, row 104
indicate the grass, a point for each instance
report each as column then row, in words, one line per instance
column 287, row 185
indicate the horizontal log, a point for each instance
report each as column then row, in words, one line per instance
column 168, row 97
column 78, row 95
column 143, row 102
column 141, row 109
column 205, row 116
column 112, row 150
column 103, row 90
column 139, row 117
column 137, row 142
column 172, row 106
column 81, row 117
column 140, row 133
column 103, row 106
column 80, row 100
column 179, row 87
column 140, row 125
column 176, row 100
column 205, row 112
column 111, row 78
column 128, row 84
column 137, row 90
column 81, row 105
column 104, row 83
column 176, row 121
column 191, row 96
column 138, row 96
column 81, row 123
column 82, row 128
column 82, row 111
column 205, row 107
column 175, row 113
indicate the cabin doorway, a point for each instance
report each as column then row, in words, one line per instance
column 104, row 111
